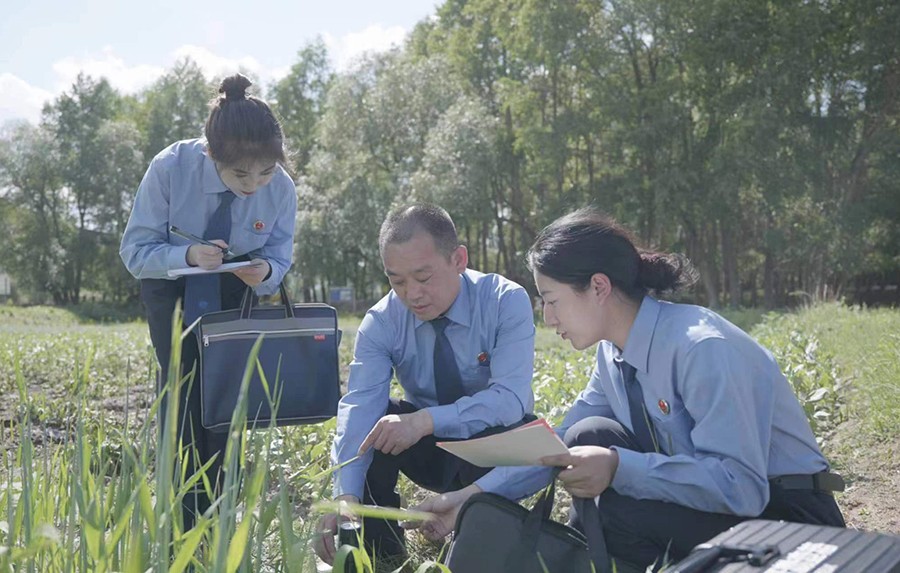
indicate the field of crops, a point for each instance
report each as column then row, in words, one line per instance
column 82, row 486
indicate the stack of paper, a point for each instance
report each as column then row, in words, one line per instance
column 523, row 446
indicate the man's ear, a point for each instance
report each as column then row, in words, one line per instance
column 600, row 287
column 460, row 258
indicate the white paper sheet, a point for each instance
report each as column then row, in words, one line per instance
column 523, row 446
column 224, row 268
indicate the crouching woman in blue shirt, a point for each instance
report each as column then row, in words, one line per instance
column 687, row 425
column 230, row 189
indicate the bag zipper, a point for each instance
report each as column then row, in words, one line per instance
column 268, row 333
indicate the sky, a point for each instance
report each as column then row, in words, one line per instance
column 44, row 44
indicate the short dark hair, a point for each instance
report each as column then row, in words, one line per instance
column 241, row 127
column 576, row 246
column 403, row 222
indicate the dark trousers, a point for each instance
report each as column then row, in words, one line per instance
column 644, row 532
column 425, row 464
column 198, row 444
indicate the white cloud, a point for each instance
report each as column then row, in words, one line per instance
column 216, row 66
column 107, row 64
column 349, row 47
column 21, row 100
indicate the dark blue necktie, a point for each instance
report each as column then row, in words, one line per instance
column 447, row 380
column 201, row 292
column 639, row 417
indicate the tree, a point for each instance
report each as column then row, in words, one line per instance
column 459, row 171
column 119, row 175
column 298, row 99
column 76, row 118
column 373, row 137
column 175, row 107
column 37, row 228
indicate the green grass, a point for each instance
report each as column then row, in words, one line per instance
column 101, row 499
column 84, row 313
column 853, row 353
column 30, row 316
column 80, row 477
column 744, row 318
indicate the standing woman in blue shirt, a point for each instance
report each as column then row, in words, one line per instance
column 687, row 425
column 230, row 188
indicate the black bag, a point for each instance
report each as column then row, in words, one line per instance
column 298, row 354
column 495, row 534
column 759, row 545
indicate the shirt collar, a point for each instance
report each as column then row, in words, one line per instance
column 211, row 182
column 459, row 310
column 637, row 347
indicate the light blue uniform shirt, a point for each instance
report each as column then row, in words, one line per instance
column 491, row 318
column 181, row 188
column 725, row 417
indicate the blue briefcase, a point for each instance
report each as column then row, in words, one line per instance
column 298, row 358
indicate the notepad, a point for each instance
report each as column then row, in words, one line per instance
column 523, row 446
column 224, row 268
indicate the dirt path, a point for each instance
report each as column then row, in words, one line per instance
column 872, row 472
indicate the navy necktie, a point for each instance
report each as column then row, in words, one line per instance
column 201, row 292
column 447, row 380
column 640, row 420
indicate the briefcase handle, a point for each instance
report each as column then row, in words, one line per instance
column 543, row 507
column 247, row 302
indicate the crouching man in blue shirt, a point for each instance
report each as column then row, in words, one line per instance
column 461, row 345
column 686, row 427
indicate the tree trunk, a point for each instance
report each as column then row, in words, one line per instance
column 473, row 254
column 702, row 258
column 485, row 230
column 729, row 265
column 501, row 244
column 769, row 280
column 707, row 275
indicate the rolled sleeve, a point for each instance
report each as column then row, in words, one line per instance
column 508, row 396
column 368, row 391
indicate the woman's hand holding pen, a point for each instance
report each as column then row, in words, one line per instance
column 209, row 257
column 206, row 256
column 254, row 274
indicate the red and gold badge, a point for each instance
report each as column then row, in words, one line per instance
column 483, row 357
column 259, row 225
column 663, row 407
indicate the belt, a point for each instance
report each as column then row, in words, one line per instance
column 822, row 481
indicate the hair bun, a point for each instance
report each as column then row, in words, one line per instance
column 235, row 87
column 665, row 272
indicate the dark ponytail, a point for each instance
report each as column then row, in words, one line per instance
column 576, row 246
column 242, row 127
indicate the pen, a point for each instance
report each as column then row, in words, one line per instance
column 196, row 239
